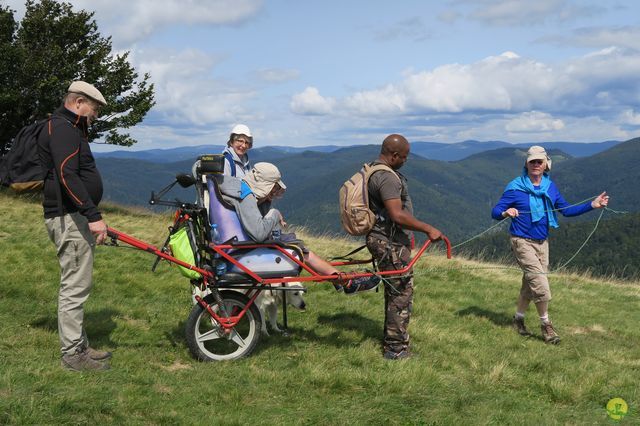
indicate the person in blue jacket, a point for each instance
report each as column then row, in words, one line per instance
column 531, row 201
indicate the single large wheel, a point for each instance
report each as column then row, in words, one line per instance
column 207, row 339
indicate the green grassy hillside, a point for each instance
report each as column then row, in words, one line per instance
column 468, row 366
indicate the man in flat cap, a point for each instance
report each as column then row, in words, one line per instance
column 72, row 192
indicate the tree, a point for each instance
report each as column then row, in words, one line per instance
column 53, row 46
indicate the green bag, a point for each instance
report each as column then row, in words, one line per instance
column 182, row 249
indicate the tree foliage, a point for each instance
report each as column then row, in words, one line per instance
column 52, row 46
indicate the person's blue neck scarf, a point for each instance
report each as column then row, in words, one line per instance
column 540, row 202
column 245, row 190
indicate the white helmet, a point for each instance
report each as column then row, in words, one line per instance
column 241, row 129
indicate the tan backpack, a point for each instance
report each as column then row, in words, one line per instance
column 355, row 215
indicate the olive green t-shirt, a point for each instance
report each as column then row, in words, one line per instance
column 385, row 185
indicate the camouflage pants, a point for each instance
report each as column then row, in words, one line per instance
column 398, row 292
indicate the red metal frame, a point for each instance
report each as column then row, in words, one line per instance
column 232, row 321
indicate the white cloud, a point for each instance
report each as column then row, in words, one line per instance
column 507, row 97
column 130, row 20
column 578, row 129
column 599, row 37
column 165, row 64
column 511, row 84
column 534, row 122
column 388, row 100
column 630, row 117
column 310, row 102
column 497, row 83
column 606, row 78
column 527, row 12
column 186, row 91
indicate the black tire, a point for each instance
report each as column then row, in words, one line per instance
column 207, row 341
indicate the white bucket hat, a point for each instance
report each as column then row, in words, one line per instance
column 241, row 129
column 538, row 153
column 262, row 178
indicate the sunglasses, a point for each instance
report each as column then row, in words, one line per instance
column 536, row 162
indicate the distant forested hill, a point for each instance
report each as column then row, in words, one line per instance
column 430, row 150
column 456, row 197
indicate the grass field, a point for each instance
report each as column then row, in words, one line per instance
column 468, row 366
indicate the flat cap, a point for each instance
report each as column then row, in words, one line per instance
column 86, row 89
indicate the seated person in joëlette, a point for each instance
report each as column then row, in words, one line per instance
column 251, row 198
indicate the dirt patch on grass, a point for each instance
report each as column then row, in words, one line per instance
column 596, row 328
column 177, row 366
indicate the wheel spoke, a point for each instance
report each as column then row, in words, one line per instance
column 235, row 337
column 209, row 335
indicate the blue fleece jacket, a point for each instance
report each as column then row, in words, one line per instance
column 523, row 226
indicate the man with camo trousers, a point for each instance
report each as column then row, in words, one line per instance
column 390, row 241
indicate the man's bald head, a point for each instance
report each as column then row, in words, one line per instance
column 394, row 151
column 393, row 143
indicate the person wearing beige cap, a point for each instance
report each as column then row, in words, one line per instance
column 72, row 192
column 251, row 197
column 240, row 141
column 531, row 201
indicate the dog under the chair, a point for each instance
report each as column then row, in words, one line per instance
column 269, row 301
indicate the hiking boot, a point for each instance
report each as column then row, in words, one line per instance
column 392, row 355
column 81, row 361
column 361, row 284
column 338, row 287
column 98, row 355
column 518, row 325
column 549, row 334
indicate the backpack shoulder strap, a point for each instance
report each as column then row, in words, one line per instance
column 56, row 178
column 372, row 168
column 232, row 164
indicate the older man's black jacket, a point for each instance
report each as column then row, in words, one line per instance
column 64, row 144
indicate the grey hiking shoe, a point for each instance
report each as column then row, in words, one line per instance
column 549, row 334
column 392, row 355
column 98, row 355
column 518, row 325
column 82, row 361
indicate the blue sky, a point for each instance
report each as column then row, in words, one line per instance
column 304, row 73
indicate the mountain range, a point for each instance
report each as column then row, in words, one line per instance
column 431, row 150
column 455, row 196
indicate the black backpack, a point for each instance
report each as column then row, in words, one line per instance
column 21, row 169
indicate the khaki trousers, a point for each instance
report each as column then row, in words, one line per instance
column 75, row 245
column 533, row 258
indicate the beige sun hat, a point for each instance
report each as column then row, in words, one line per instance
column 262, row 178
column 86, row 89
column 538, row 153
